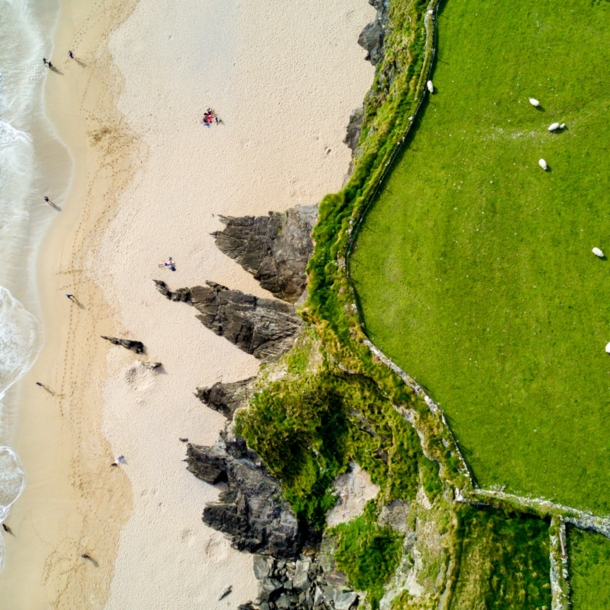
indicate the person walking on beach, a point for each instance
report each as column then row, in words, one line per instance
column 7, row 529
column 45, row 62
column 71, row 297
column 44, row 387
column 70, row 55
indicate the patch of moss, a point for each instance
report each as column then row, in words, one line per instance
column 368, row 553
column 504, row 561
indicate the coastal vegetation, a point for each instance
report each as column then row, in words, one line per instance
column 589, row 555
column 504, row 560
column 368, row 553
column 308, row 427
column 487, row 292
column 336, row 400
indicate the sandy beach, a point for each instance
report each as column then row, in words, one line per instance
column 149, row 182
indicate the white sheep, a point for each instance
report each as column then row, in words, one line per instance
column 608, row 348
column 534, row 102
column 553, row 126
column 543, row 164
column 598, row 252
column 430, row 86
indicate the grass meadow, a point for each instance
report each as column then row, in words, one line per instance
column 589, row 555
column 474, row 267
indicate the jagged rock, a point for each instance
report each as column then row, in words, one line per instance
column 286, row 601
column 134, row 346
column 162, row 288
column 252, row 510
column 262, row 566
column 302, row 585
column 373, row 35
column 345, row 601
column 274, row 248
column 354, row 129
column 181, row 295
column 207, row 463
column 262, row 327
column 371, row 39
column 226, row 592
column 226, row 398
column 301, row 576
column 269, row 585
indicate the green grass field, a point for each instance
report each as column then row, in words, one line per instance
column 589, row 570
column 474, row 267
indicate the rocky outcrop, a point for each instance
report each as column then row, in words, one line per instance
column 354, row 129
column 226, row 398
column 264, row 328
column 274, row 248
column 134, row 346
column 300, row 585
column 372, row 36
column 180, row 295
column 251, row 510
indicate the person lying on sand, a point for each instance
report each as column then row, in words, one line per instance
column 168, row 263
column 210, row 117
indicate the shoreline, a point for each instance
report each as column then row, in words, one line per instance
column 104, row 247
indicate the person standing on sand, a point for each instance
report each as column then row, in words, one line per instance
column 71, row 297
column 7, row 529
column 49, row 65
column 70, row 55
column 45, row 62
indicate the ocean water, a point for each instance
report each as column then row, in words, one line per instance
column 33, row 163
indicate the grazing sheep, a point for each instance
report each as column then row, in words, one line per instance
column 543, row 164
column 608, row 348
column 553, row 126
column 430, row 86
column 598, row 252
column 534, row 102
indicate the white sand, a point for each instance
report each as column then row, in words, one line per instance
column 284, row 77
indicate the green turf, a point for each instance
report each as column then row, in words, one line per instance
column 474, row 267
column 589, row 556
column 504, row 562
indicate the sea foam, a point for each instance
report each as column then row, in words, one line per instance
column 32, row 163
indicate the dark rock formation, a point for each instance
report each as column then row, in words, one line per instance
column 134, row 346
column 373, row 35
column 182, row 294
column 301, row 585
column 274, row 248
column 226, row 398
column 354, row 129
column 262, row 327
column 207, row 463
column 252, row 510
